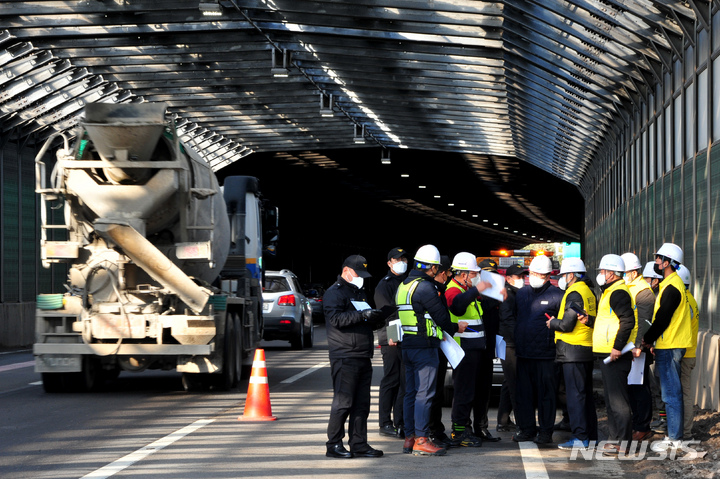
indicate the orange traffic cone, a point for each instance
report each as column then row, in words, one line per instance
column 257, row 401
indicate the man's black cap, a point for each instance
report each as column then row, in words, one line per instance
column 358, row 264
column 489, row 265
column 445, row 263
column 397, row 253
column 515, row 269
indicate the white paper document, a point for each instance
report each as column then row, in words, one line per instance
column 360, row 305
column 497, row 281
column 453, row 352
column 637, row 370
column 500, row 347
column 627, row 348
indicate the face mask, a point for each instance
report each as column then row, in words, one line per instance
column 400, row 267
column 600, row 279
column 562, row 283
column 628, row 279
column 519, row 283
column 656, row 268
column 357, row 281
column 536, row 282
column 474, row 281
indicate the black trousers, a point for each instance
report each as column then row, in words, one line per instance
column 507, row 392
column 392, row 387
column 351, row 398
column 580, row 400
column 617, row 398
column 536, row 384
column 436, row 408
column 465, row 378
column 641, row 401
column 481, row 403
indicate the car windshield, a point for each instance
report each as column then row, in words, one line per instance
column 276, row 285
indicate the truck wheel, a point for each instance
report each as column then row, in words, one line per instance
column 297, row 341
column 310, row 335
column 89, row 379
column 53, row 382
column 227, row 378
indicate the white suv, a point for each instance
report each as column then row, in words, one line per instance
column 287, row 314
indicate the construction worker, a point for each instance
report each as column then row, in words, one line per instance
column 651, row 277
column 514, row 280
column 670, row 335
column 350, row 345
column 425, row 320
column 437, row 428
column 688, row 362
column 535, row 349
column 462, row 297
column 392, row 384
column 573, row 346
column 660, row 424
column 615, row 327
column 640, row 394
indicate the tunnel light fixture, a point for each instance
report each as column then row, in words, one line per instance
column 404, row 175
column 211, row 9
column 463, row 211
column 475, row 216
column 385, row 156
column 422, row 187
column 451, row 204
column 485, row 221
column 437, row 196
column 326, row 105
column 280, row 63
column 359, row 134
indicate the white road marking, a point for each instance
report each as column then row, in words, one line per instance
column 36, row 383
column 532, row 461
column 10, row 367
column 127, row 461
column 304, row 373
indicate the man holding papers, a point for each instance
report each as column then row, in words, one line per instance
column 615, row 328
column 573, row 345
column 425, row 320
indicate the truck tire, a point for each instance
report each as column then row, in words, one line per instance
column 228, row 378
column 298, row 341
column 310, row 335
column 53, row 382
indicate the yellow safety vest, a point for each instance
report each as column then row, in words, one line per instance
column 473, row 316
column 678, row 333
column 607, row 323
column 408, row 318
column 694, row 324
column 581, row 335
column 638, row 285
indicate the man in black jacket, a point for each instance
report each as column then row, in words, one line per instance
column 350, row 344
column 514, row 280
column 392, row 384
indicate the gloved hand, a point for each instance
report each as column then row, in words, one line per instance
column 371, row 315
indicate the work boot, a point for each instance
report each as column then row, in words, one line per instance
column 425, row 447
column 409, row 443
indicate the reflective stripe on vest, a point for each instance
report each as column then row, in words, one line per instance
column 678, row 333
column 607, row 323
column 473, row 316
column 581, row 335
column 408, row 317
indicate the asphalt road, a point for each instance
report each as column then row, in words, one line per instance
column 144, row 425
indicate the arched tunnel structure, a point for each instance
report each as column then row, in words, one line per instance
column 375, row 124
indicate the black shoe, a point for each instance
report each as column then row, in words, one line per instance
column 486, row 436
column 465, row 439
column 441, row 440
column 543, row 439
column 388, row 430
column 506, row 428
column 339, row 451
column 562, row 426
column 368, row 453
column 400, row 433
column 523, row 437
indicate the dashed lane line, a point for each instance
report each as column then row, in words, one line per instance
column 292, row 379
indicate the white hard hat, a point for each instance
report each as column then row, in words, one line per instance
column 649, row 271
column 541, row 265
column 672, row 251
column 631, row 262
column 465, row 262
column 428, row 254
column 612, row 262
column 684, row 274
column 572, row 265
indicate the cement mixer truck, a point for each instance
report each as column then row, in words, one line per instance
column 164, row 267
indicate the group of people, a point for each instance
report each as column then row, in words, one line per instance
column 546, row 336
